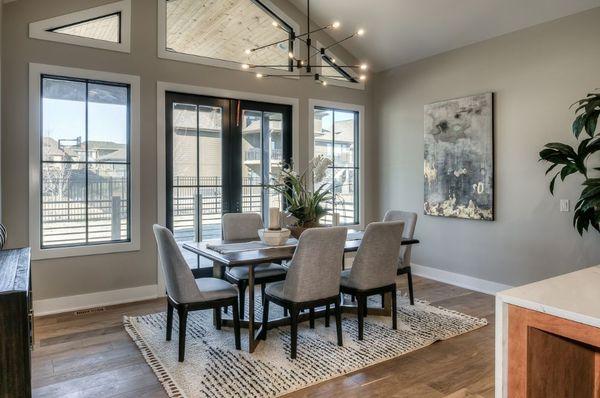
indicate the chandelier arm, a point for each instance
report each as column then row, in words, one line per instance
column 340, row 42
column 269, row 45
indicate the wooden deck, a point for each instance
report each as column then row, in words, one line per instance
column 91, row 355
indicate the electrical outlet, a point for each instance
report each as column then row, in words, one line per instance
column 564, row 205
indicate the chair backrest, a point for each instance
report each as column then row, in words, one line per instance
column 238, row 226
column 376, row 260
column 314, row 271
column 179, row 279
column 410, row 222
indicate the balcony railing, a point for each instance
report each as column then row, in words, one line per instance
column 255, row 154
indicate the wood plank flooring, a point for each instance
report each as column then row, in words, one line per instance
column 91, row 355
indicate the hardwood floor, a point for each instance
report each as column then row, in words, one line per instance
column 91, row 355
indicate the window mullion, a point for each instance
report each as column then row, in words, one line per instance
column 87, row 205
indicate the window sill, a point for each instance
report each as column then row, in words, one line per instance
column 63, row 252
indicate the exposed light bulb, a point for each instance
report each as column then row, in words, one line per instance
column 324, row 83
column 245, row 66
column 291, row 55
column 333, row 60
column 335, row 25
column 360, row 32
column 301, row 62
column 259, row 75
column 274, row 23
column 248, row 51
column 363, row 66
column 363, row 77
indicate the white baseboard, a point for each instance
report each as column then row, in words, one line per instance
column 93, row 300
column 452, row 278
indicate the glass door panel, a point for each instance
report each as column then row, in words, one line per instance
column 195, row 193
column 252, row 161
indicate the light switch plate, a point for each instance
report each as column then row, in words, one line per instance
column 564, row 205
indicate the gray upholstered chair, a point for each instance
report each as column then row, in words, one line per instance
column 410, row 222
column 313, row 280
column 374, row 267
column 245, row 226
column 188, row 294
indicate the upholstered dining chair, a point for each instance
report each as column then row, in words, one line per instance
column 410, row 222
column 313, row 280
column 374, row 268
column 186, row 294
column 245, row 226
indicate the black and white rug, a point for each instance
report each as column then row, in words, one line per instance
column 213, row 368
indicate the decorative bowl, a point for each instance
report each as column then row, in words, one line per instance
column 274, row 237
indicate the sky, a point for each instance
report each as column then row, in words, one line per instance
column 65, row 119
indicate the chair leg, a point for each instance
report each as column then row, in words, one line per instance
column 226, row 309
column 236, row 325
column 265, row 318
column 262, row 291
column 218, row 318
column 327, row 316
column 410, row 287
column 242, row 294
column 311, row 316
column 338, row 321
column 361, row 314
column 294, row 332
column 285, row 312
column 182, row 312
column 169, row 320
column 394, row 308
column 382, row 300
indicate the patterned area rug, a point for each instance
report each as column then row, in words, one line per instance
column 213, row 368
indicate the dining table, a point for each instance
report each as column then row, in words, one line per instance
column 251, row 253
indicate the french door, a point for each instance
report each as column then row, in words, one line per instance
column 221, row 154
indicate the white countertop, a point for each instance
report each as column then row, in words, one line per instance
column 574, row 296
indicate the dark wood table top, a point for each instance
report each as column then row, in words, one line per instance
column 254, row 257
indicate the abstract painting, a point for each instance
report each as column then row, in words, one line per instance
column 459, row 158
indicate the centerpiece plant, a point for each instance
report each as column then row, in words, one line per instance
column 570, row 160
column 305, row 193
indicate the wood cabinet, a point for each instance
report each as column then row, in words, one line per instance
column 551, row 357
column 548, row 338
column 16, row 323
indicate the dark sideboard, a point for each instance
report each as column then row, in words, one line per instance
column 16, row 323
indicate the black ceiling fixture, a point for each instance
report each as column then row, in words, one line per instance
column 307, row 67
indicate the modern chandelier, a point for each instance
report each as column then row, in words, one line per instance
column 307, row 67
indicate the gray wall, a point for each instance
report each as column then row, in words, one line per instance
column 79, row 275
column 535, row 74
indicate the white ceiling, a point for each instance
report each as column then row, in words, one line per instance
column 402, row 31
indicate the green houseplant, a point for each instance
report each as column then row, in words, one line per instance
column 567, row 160
column 306, row 205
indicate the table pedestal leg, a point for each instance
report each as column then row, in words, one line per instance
column 217, row 273
column 252, row 342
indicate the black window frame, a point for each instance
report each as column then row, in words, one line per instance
column 85, row 163
column 118, row 14
column 356, row 167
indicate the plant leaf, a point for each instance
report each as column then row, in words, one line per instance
column 578, row 124
column 591, row 122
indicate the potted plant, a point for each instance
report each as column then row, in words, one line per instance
column 304, row 204
column 572, row 160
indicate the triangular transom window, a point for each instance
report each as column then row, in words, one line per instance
column 224, row 29
column 106, row 28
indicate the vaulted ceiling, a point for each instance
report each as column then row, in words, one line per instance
column 402, row 31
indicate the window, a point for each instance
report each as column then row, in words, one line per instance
column 336, row 136
column 84, row 135
column 106, row 27
column 218, row 32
